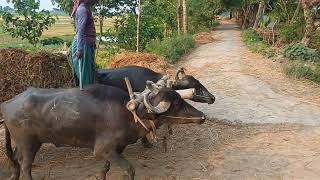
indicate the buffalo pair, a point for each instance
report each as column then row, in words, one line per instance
column 95, row 118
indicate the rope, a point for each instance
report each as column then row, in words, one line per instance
column 1, row 122
column 131, row 105
column 177, row 117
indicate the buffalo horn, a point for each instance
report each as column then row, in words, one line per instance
column 180, row 71
column 186, row 93
column 162, row 107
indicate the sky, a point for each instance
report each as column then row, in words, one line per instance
column 44, row 4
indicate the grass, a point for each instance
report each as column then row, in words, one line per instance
column 172, row 48
column 63, row 28
column 256, row 44
column 303, row 70
column 297, row 69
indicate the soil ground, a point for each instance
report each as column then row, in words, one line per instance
column 263, row 126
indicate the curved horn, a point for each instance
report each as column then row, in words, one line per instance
column 186, row 93
column 163, row 81
column 162, row 107
column 180, row 71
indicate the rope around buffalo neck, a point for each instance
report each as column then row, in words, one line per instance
column 177, row 117
column 1, row 122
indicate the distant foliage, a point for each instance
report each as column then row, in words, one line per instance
column 201, row 14
column 283, row 10
column 125, row 32
column 300, row 52
column 172, row 48
column 30, row 23
column 51, row 41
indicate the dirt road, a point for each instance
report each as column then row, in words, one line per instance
column 249, row 89
column 245, row 95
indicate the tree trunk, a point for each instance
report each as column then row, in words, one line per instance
column 296, row 12
column 231, row 11
column 179, row 15
column 309, row 16
column 185, row 16
column 245, row 19
column 259, row 15
column 138, row 26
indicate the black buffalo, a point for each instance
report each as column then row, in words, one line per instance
column 139, row 75
column 95, row 118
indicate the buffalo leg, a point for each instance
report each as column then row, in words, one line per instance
column 146, row 143
column 101, row 152
column 105, row 170
column 165, row 139
column 28, row 150
column 118, row 159
column 169, row 129
column 16, row 165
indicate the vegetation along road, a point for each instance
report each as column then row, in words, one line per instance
column 279, row 137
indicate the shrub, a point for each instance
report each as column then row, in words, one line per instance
column 172, row 48
column 255, row 43
column 51, row 41
column 125, row 31
column 300, row 52
column 251, row 36
column 315, row 40
column 299, row 70
column 291, row 32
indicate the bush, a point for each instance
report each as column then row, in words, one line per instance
column 315, row 40
column 299, row 70
column 291, row 32
column 251, row 36
column 300, row 52
column 51, row 41
column 172, row 48
column 126, row 28
column 255, row 43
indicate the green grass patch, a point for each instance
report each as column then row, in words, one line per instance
column 6, row 41
column 172, row 48
column 301, row 70
column 256, row 44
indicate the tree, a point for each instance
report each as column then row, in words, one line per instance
column 202, row 14
column 260, row 13
column 296, row 12
column 179, row 16
column 138, row 24
column 30, row 23
column 309, row 15
column 185, row 16
column 65, row 5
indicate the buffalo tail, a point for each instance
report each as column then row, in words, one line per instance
column 9, row 151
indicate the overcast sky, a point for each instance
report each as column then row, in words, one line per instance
column 44, row 4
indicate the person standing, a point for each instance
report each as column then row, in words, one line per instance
column 84, row 43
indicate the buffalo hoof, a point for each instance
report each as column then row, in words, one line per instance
column 146, row 143
column 14, row 177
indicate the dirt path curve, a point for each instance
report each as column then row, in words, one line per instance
column 249, row 89
column 243, row 94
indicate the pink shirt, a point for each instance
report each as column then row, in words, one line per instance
column 86, row 31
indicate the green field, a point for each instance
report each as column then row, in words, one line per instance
column 63, row 28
